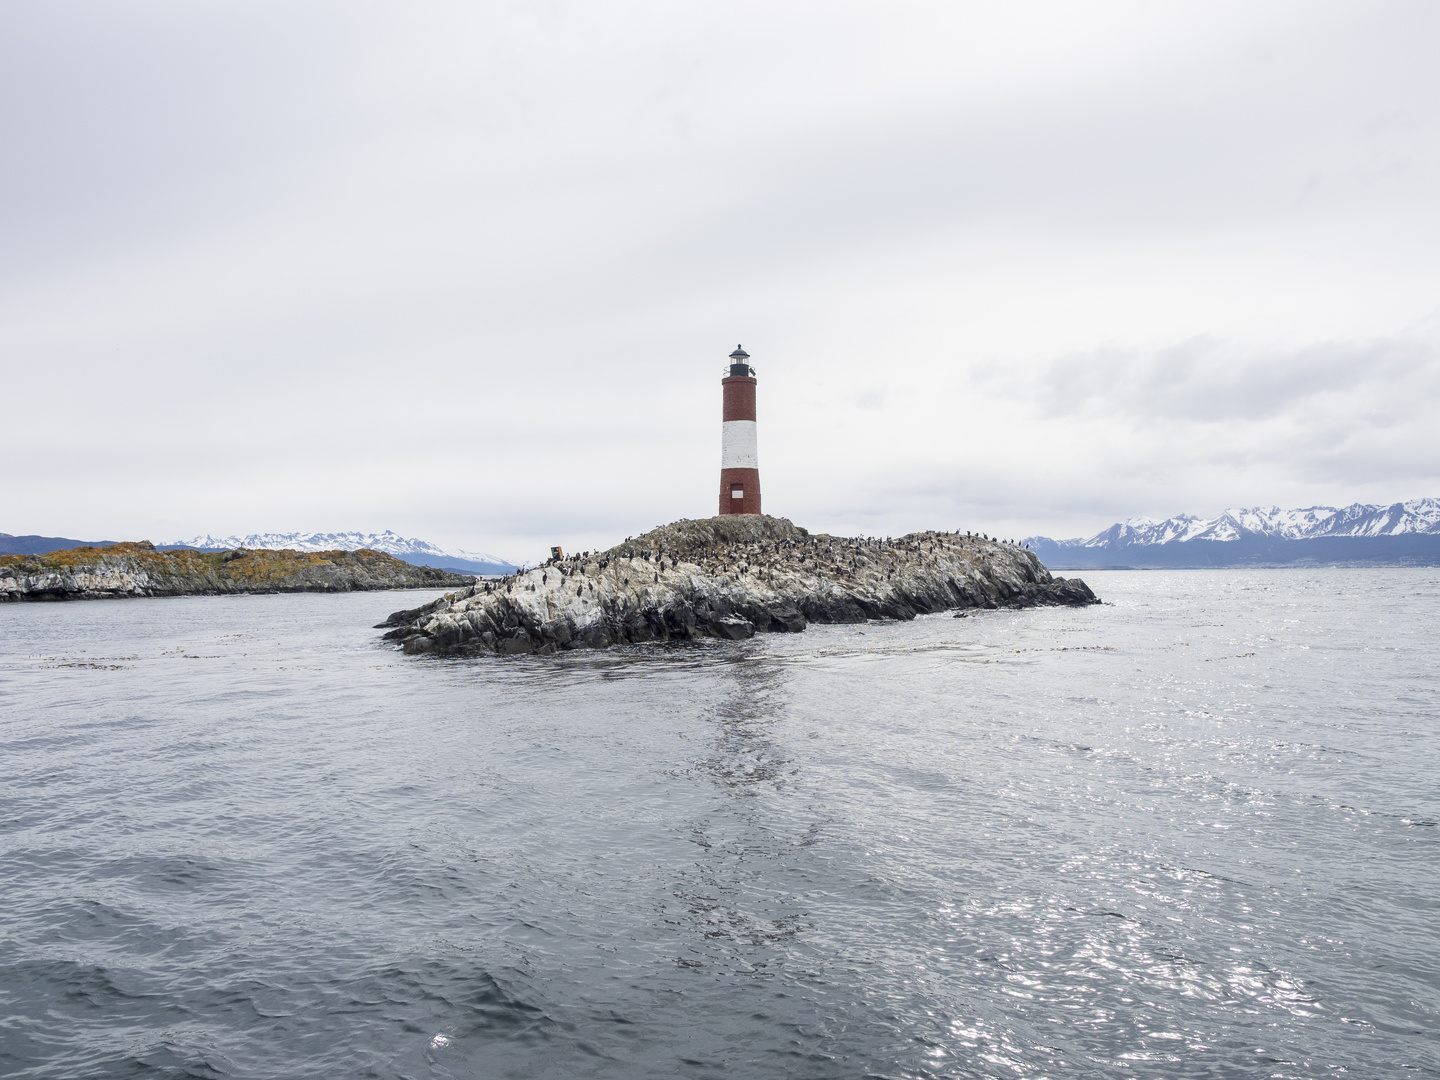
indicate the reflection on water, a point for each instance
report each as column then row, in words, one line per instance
column 1191, row 832
column 744, row 749
column 723, row 898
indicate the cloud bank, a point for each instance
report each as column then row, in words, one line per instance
column 470, row 272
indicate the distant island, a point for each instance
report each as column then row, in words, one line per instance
column 412, row 550
column 728, row 577
column 140, row 569
column 1402, row 534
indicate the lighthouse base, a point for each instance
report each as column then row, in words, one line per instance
column 739, row 491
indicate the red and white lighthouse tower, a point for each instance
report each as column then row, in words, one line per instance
column 739, row 460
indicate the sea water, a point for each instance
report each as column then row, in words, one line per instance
column 1191, row 832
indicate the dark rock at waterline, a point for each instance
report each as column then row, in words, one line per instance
column 729, row 577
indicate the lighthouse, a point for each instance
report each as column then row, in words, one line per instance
column 739, row 461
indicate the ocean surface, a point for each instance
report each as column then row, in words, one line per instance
column 1189, row 833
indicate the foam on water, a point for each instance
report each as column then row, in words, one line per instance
column 1190, row 833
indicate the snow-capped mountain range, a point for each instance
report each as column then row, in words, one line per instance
column 1407, row 532
column 407, row 549
column 1357, row 519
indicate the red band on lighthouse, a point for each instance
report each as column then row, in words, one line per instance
column 739, row 398
column 739, row 456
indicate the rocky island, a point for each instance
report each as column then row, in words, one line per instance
column 728, row 577
column 137, row 569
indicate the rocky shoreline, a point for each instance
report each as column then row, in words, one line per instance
column 138, row 569
column 728, row 577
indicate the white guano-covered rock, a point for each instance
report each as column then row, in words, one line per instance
column 728, row 577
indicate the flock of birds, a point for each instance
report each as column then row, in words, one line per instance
column 662, row 555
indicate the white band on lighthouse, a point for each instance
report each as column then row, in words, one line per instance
column 738, row 445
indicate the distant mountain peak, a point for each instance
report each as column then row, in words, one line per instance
column 410, row 549
column 1249, row 528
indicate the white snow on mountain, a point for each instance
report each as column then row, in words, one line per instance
column 387, row 541
column 1358, row 519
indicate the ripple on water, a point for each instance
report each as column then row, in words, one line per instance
column 1189, row 833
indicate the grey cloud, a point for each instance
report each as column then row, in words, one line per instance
column 439, row 268
column 1207, row 380
column 1208, row 422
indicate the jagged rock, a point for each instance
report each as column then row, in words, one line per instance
column 137, row 569
column 728, row 577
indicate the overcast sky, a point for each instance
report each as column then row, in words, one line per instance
column 471, row 271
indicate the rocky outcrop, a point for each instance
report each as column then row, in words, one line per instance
column 89, row 573
column 728, row 577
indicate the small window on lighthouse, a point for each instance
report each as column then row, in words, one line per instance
column 737, row 493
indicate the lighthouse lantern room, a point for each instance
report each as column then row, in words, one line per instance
column 739, row 460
